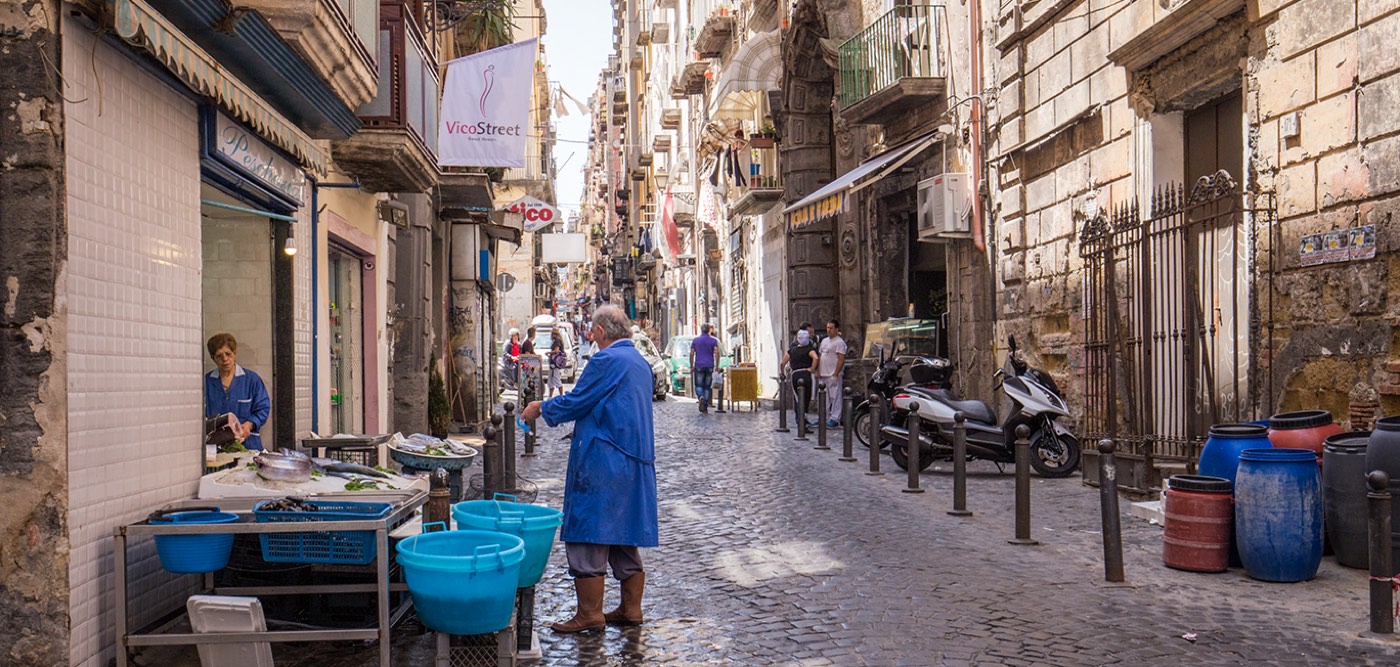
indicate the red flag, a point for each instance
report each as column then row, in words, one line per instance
column 670, row 233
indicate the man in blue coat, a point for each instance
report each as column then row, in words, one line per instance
column 610, row 487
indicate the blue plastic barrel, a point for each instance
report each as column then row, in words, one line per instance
column 535, row 524
column 462, row 581
column 1278, row 514
column 1221, row 455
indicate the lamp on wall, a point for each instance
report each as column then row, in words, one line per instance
column 290, row 246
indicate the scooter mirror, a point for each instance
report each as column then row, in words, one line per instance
column 1011, row 340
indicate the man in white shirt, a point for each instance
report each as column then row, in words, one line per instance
column 830, row 368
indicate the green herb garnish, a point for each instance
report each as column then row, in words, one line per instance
column 232, row 446
column 361, row 485
column 251, row 466
column 385, row 470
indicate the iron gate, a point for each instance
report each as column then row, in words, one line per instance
column 1168, row 323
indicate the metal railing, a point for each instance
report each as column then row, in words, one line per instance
column 904, row 43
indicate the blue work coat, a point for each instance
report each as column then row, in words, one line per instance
column 246, row 397
column 610, row 487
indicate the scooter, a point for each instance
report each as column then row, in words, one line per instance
column 1035, row 401
column 884, row 382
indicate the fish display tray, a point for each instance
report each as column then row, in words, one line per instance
column 347, row 547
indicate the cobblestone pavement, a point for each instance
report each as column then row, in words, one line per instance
column 774, row 553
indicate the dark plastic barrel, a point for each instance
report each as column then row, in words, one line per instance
column 1344, row 497
column 1221, row 455
column 1383, row 453
column 1200, row 517
column 1304, row 429
column 1278, row 514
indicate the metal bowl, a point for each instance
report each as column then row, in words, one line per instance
column 431, row 462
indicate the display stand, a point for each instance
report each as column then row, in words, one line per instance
column 403, row 507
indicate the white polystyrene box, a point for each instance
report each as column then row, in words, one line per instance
column 225, row 613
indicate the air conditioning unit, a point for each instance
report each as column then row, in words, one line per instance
column 943, row 207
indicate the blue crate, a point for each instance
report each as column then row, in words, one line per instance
column 343, row 547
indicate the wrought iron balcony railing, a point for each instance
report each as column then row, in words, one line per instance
column 905, row 43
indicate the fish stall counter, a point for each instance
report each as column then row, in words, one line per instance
column 259, row 475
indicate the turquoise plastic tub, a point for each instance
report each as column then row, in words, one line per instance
column 194, row 554
column 535, row 524
column 462, row 581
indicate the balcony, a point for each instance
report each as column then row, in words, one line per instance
column 396, row 151
column 646, row 159
column 465, row 195
column 660, row 33
column 715, row 34
column 661, row 143
column 536, row 178
column 670, row 119
column 764, row 190
column 894, row 65
column 338, row 38
column 691, row 80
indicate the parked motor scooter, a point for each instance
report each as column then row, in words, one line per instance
column 1035, row 401
column 885, row 383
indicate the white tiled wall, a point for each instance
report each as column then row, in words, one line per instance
column 135, row 350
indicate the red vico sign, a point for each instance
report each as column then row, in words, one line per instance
column 536, row 213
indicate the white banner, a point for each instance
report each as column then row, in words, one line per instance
column 486, row 107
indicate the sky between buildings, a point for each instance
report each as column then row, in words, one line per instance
column 577, row 43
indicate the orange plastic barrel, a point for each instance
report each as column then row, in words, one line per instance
column 1200, row 517
column 1304, row 429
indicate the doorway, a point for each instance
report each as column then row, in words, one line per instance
column 345, row 306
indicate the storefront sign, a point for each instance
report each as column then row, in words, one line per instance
column 536, row 214
column 1339, row 245
column 257, row 160
column 821, row 209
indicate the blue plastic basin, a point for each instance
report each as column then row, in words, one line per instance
column 462, row 581
column 536, row 525
column 194, row 554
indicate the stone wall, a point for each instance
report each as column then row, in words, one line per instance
column 34, row 551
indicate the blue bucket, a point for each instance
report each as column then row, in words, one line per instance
column 462, row 581
column 1278, row 514
column 193, row 554
column 534, row 524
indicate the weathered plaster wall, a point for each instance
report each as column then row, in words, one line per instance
column 34, row 547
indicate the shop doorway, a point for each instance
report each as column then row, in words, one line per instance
column 237, row 287
column 346, row 318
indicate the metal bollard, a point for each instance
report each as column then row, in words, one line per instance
column 1382, row 573
column 846, row 425
column 960, row 465
column 801, row 384
column 821, row 416
column 875, row 423
column 508, row 424
column 914, row 450
column 1108, row 504
column 491, row 460
column 782, row 405
column 1023, row 486
column 719, row 405
column 507, row 430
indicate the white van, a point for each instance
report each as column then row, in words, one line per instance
column 544, row 329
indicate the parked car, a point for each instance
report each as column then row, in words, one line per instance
column 677, row 358
column 660, row 373
column 544, row 331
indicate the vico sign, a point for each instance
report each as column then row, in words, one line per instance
column 536, row 213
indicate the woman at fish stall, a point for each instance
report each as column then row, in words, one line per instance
column 231, row 388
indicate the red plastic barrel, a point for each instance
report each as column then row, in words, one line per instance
column 1200, row 515
column 1305, row 429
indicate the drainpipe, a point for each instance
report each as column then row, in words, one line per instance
column 315, row 287
column 975, row 62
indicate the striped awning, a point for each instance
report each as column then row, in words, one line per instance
column 756, row 68
column 140, row 25
column 831, row 198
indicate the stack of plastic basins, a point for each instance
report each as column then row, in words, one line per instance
column 1383, row 453
column 535, row 525
column 1344, row 497
column 1200, row 517
column 1278, row 514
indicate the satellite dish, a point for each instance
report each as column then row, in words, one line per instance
column 505, row 282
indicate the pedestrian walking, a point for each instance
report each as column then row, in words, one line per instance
column 800, row 358
column 830, row 369
column 558, row 361
column 702, row 365
column 610, row 485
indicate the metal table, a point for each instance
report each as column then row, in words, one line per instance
column 404, row 504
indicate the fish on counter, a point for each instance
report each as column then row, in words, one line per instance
column 332, row 466
column 279, row 467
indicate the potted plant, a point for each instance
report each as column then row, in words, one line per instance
column 439, row 409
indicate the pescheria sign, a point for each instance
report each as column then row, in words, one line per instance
column 537, row 213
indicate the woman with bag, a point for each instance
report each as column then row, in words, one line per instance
column 558, row 361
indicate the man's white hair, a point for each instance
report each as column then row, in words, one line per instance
column 614, row 322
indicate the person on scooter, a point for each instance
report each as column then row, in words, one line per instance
column 830, row 369
column 800, row 358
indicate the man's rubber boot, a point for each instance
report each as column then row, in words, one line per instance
column 629, row 612
column 589, row 615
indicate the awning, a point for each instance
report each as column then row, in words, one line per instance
column 830, row 199
column 755, row 69
column 140, row 25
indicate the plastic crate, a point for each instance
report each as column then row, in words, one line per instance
column 350, row 547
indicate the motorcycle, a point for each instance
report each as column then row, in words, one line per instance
column 885, row 383
column 1035, row 401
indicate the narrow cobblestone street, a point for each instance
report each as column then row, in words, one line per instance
column 774, row 553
